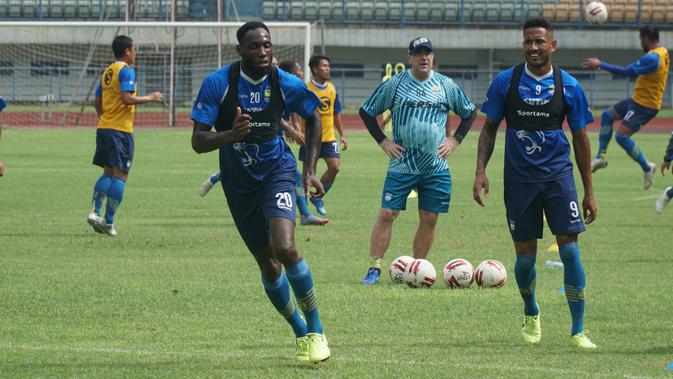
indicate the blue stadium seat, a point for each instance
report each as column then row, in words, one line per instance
column 296, row 10
column 451, row 12
column 437, row 11
column 493, row 12
column 478, row 11
column 409, row 11
column 507, row 12
column 69, row 9
column 30, row 9
column 338, row 11
column 311, row 10
column 269, row 10
column 14, row 9
column 394, row 11
column 423, row 11
column 353, row 10
column 325, row 10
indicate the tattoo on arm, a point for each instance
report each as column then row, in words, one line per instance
column 486, row 143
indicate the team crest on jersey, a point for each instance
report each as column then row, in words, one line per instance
column 267, row 95
column 531, row 143
column 434, row 88
column 248, row 151
column 107, row 79
column 420, row 92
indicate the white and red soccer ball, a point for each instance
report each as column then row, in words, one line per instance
column 397, row 268
column 420, row 273
column 490, row 274
column 596, row 12
column 458, row 273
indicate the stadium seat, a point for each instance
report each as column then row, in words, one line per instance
column 534, row 11
column 381, row 11
column 668, row 15
column 658, row 16
column 311, row 10
column 423, row 11
column 353, row 10
column 84, row 11
column 436, row 11
column 198, row 9
column 29, row 9
column 366, row 11
column 478, row 11
column 630, row 13
column 14, row 9
column 4, row 11
column 296, row 10
column 467, row 11
column 409, row 11
column 394, row 11
column 562, row 13
column 616, row 14
column 325, row 10
column 451, row 12
column 338, row 11
column 69, row 9
column 493, row 12
column 507, row 12
column 269, row 10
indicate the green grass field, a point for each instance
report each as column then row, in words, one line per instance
column 176, row 294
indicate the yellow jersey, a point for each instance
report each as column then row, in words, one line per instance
column 117, row 78
column 649, row 89
column 328, row 109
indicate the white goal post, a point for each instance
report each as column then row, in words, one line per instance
column 49, row 70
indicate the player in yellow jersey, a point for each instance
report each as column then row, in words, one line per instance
column 115, row 104
column 651, row 71
column 330, row 118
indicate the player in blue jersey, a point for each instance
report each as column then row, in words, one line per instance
column 667, row 195
column 419, row 100
column 651, row 73
column 535, row 98
column 245, row 102
column 3, row 105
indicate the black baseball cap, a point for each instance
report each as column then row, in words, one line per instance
column 419, row 42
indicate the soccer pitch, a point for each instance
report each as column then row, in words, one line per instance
column 176, row 294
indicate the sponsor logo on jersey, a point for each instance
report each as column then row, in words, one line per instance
column 421, row 104
column 521, row 113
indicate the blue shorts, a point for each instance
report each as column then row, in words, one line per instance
column 327, row 150
column 526, row 202
column 251, row 211
column 634, row 116
column 434, row 191
column 114, row 149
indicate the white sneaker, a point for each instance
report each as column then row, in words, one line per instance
column 649, row 176
column 662, row 201
column 95, row 220
column 109, row 229
column 101, row 226
column 205, row 187
column 598, row 163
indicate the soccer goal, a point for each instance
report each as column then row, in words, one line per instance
column 49, row 70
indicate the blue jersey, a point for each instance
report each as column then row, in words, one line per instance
column 245, row 164
column 419, row 111
column 645, row 64
column 537, row 156
column 3, row 104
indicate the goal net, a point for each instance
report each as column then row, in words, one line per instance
column 49, row 71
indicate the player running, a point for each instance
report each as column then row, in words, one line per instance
column 535, row 98
column 330, row 107
column 420, row 100
column 115, row 104
column 245, row 102
column 651, row 71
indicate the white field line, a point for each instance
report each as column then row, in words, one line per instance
column 232, row 354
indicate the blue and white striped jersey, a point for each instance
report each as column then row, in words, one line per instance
column 419, row 111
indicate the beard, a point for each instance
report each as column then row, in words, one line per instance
column 251, row 68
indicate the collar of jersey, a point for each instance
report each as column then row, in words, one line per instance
column 321, row 86
column 411, row 74
column 251, row 80
column 538, row 78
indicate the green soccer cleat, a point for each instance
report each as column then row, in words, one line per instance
column 531, row 331
column 318, row 350
column 302, row 348
column 581, row 341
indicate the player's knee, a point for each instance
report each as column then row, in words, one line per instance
column 606, row 117
column 286, row 253
column 429, row 218
column 388, row 215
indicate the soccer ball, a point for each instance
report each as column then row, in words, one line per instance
column 397, row 268
column 458, row 273
column 490, row 274
column 596, row 12
column 420, row 273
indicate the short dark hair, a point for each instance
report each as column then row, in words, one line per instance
column 650, row 32
column 120, row 44
column 288, row 65
column 248, row 26
column 314, row 61
column 539, row 22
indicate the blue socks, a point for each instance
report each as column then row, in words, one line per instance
column 100, row 190
column 115, row 195
column 524, row 270
column 301, row 196
column 632, row 149
column 326, row 186
column 669, row 192
column 300, row 278
column 279, row 294
column 574, row 283
column 215, row 177
column 605, row 134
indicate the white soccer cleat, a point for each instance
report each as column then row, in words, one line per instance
column 109, row 229
column 95, row 221
column 205, row 187
column 648, row 177
column 598, row 163
column 101, row 226
column 662, row 201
